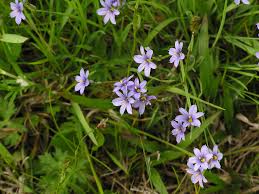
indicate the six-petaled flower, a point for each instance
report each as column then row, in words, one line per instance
column 197, row 175
column 124, row 84
column 216, row 157
column 189, row 118
column 138, row 88
column 176, row 53
column 109, row 10
column 145, row 60
column 82, row 80
column 125, row 100
column 17, row 13
column 201, row 158
column 178, row 131
column 142, row 102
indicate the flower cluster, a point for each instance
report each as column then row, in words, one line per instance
column 131, row 94
column 186, row 119
column 204, row 159
column 109, row 10
column 243, row 1
column 145, row 58
column 17, row 13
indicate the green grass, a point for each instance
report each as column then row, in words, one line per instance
column 52, row 140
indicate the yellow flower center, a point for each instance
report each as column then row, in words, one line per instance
column 190, row 119
column 112, row 9
column 143, row 98
column 137, row 90
column 215, row 157
column 202, row 160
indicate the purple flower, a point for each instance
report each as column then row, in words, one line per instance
column 257, row 25
column 125, row 101
column 189, row 118
column 197, row 175
column 176, row 53
column 145, row 60
column 124, row 84
column 201, row 158
column 109, row 10
column 178, row 130
column 243, row 1
column 216, row 157
column 17, row 13
column 138, row 88
column 82, row 81
column 257, row 55
column 142, row 102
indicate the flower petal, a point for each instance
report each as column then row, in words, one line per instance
column 13, row 14
column 183, row 111
column 107, row 17
column 129, row 109
column 147, row 71
column 112, row 19
column 117, row 101
column 149, row 53
column 198, row 114
column 196, row 123
column 152, row 65
column 193, row 109
column 102, row 11
column 142, row 51
column 141, row 67
column 197, row 152
column 138, row 59
column 122, row 108
column 141, row 108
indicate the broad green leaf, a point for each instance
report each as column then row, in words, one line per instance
column 80, row 116
column 13, row 38
column 157, row 181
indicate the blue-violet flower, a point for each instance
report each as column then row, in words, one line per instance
column 125, row 101
column 142, row 102
column 197, row 175
column 123, row 84
column 176, row 53
column 201, row 158
column 243, row 1
column 216, row 157
column 109, row 10
column 189, row 118
column 82, row 81
column 138, row 88
column 178, row 130
column 17, row 13
column 145, row 60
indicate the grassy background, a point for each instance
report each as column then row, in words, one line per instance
column 56, row 141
